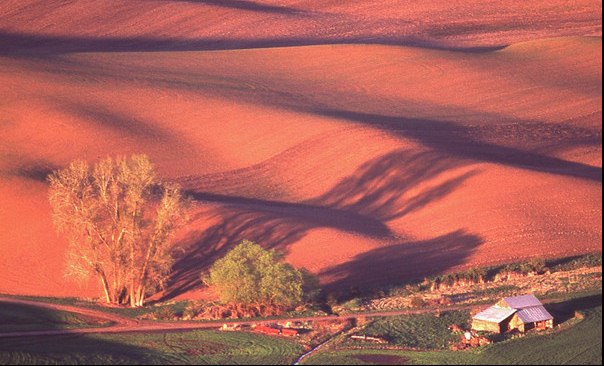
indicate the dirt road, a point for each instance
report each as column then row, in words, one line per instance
column 126, row 325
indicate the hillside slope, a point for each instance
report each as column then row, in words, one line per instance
column 366, row 154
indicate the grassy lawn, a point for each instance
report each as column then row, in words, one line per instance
column 172, row 307
column 196, row 347
column 15, row 317
column 429, row 331
column 580, row 343
column 193, row 347
column 383, row 357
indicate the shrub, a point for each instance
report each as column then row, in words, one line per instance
column 524, row 268
column 418, row 302
column 249, row 274
column 192, row 309
column 164, row 313
column 570, row 263
column 332, row 300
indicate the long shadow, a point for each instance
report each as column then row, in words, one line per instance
column 565, row 310
column 121, row 123
column 30, row 45
column 455, row 140
column 381, row 190
column 38, row 171
column 23, row 317
column 201, row 249
column 248, row 5
column 400, row 262
column 66, row 348
column 313, row 215
column 271, row 228
column 324, row 27
column 443, row 136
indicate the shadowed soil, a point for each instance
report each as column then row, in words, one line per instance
column 430, row 139
column 382, row 359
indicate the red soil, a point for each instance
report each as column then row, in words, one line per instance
column 366, row 161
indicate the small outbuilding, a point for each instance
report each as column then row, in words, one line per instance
column 520, row 312
column 494, row 319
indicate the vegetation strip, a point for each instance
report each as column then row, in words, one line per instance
column 127, row 325
column 124, row 325
column 118, row 320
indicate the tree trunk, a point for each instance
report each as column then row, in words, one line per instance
column 105, row 286
column 141, row 296
column 140, row 288
column 137, row 296
column 132, row 296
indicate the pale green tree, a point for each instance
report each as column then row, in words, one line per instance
column 249, row 274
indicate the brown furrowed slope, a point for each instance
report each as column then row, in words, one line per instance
column 150, row 25
column 365, row 163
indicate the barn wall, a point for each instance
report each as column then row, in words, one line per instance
column 482, row 325
column 517, row 323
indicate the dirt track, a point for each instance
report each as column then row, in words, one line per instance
column 127, row 325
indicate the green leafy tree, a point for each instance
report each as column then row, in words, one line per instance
column 249, row 274
column 120, row 221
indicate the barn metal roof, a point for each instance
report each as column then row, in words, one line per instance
column 534, row 314
column 494, row 314
column 520, row 302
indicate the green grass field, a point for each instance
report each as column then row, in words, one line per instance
column 429, row 331
column 173, row 307
column 24, row 318
column 196, row 347
column 186, row 347
column 580, row 343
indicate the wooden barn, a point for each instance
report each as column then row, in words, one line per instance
column 493, row 319
column 520, row 312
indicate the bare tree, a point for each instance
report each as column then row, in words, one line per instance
column 120, row 222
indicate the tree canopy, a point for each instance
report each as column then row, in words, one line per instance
column 249, row 274
column 120, row 221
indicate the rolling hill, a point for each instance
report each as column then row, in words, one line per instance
column 369, row 142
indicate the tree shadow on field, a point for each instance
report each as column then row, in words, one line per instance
column 36, row 171
column 60, row 344
column 362, row 204
column 247, row 5
column 458, row 141
column 396, row 263
column 384, row 188
column 120, row 122
column 26, row 45
column 566, row 310
column 523, row 144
